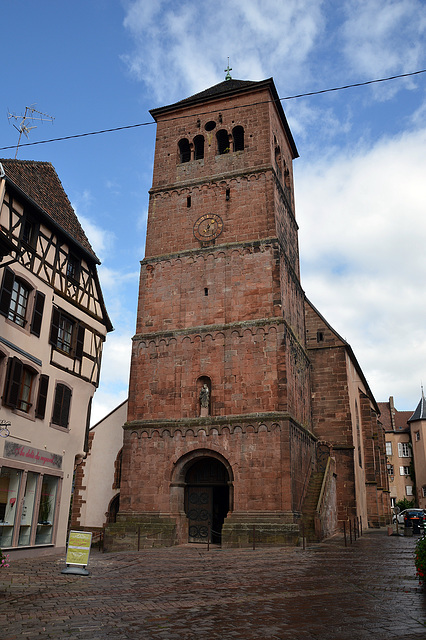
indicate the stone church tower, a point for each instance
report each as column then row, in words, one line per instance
column 218, row 437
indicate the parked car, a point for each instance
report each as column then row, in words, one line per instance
column 401, row 516
column 414, row 518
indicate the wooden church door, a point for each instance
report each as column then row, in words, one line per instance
column 200, row 513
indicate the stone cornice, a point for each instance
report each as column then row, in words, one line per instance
column 212, row 179
column 208, row 423
column 245, row 324
column 211, row 249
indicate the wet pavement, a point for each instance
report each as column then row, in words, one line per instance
column 328, row 592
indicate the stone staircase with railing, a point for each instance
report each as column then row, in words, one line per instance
column 310, row 505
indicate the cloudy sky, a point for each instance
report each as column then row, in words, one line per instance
column 360, row 179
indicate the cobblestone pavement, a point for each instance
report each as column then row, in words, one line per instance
column 327, row 592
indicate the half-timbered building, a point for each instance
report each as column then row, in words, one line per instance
column 53, row 323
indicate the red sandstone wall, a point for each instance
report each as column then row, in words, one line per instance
column 242, row 284
column 189, row 122
column 247, row 215
column 255, row 458
column 243, row 364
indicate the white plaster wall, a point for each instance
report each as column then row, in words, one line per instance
column 99, row 467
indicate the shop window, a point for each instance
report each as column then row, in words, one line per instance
column 184, row 150
column 46, row 510
column 222, row 142
column 25, row 528
column 238, row 135
column 19, row 385
column 199, row 147
column 66, row 334
column 61, row 405
column 10, row 480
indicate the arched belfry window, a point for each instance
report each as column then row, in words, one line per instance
column 199, row 147
column 238, row 136
column 184, row 150
column 278, row 161
column 222, row 142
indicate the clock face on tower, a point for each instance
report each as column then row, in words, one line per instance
column 208, row 227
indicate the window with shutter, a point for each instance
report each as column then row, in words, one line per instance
column 42, row 397
column 19, row 385
column 66, row 334
column 37, row 313
column 61, row 405
column 6, row 291
column 13, row 382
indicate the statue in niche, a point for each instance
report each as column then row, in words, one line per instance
column 204, row 400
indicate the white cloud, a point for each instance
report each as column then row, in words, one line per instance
column 101, row 239
column 382, row 37
column 362, row 239
column 183, row 47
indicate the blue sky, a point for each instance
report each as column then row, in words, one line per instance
column 359, row 182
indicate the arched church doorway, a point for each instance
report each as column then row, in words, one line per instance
column 206, row 499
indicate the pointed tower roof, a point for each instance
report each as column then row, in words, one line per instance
column 420, row 412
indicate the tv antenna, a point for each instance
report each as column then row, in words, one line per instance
column 28, row 117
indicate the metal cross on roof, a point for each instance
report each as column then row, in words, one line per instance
column 227, row 70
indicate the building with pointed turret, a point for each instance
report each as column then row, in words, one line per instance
column 406, row 451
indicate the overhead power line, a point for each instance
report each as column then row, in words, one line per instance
column 146, row 124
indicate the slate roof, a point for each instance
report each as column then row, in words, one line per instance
column 420, row 412
column 39, row 182
column 230, row 88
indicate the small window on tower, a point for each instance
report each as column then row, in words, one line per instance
column 238, row 135
column 320, row 336
column 199, row 147
column 228, row 194
column 222, row 142
column 184, row 150
column 188, row 201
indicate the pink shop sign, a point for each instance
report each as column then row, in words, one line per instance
column 35, row 456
